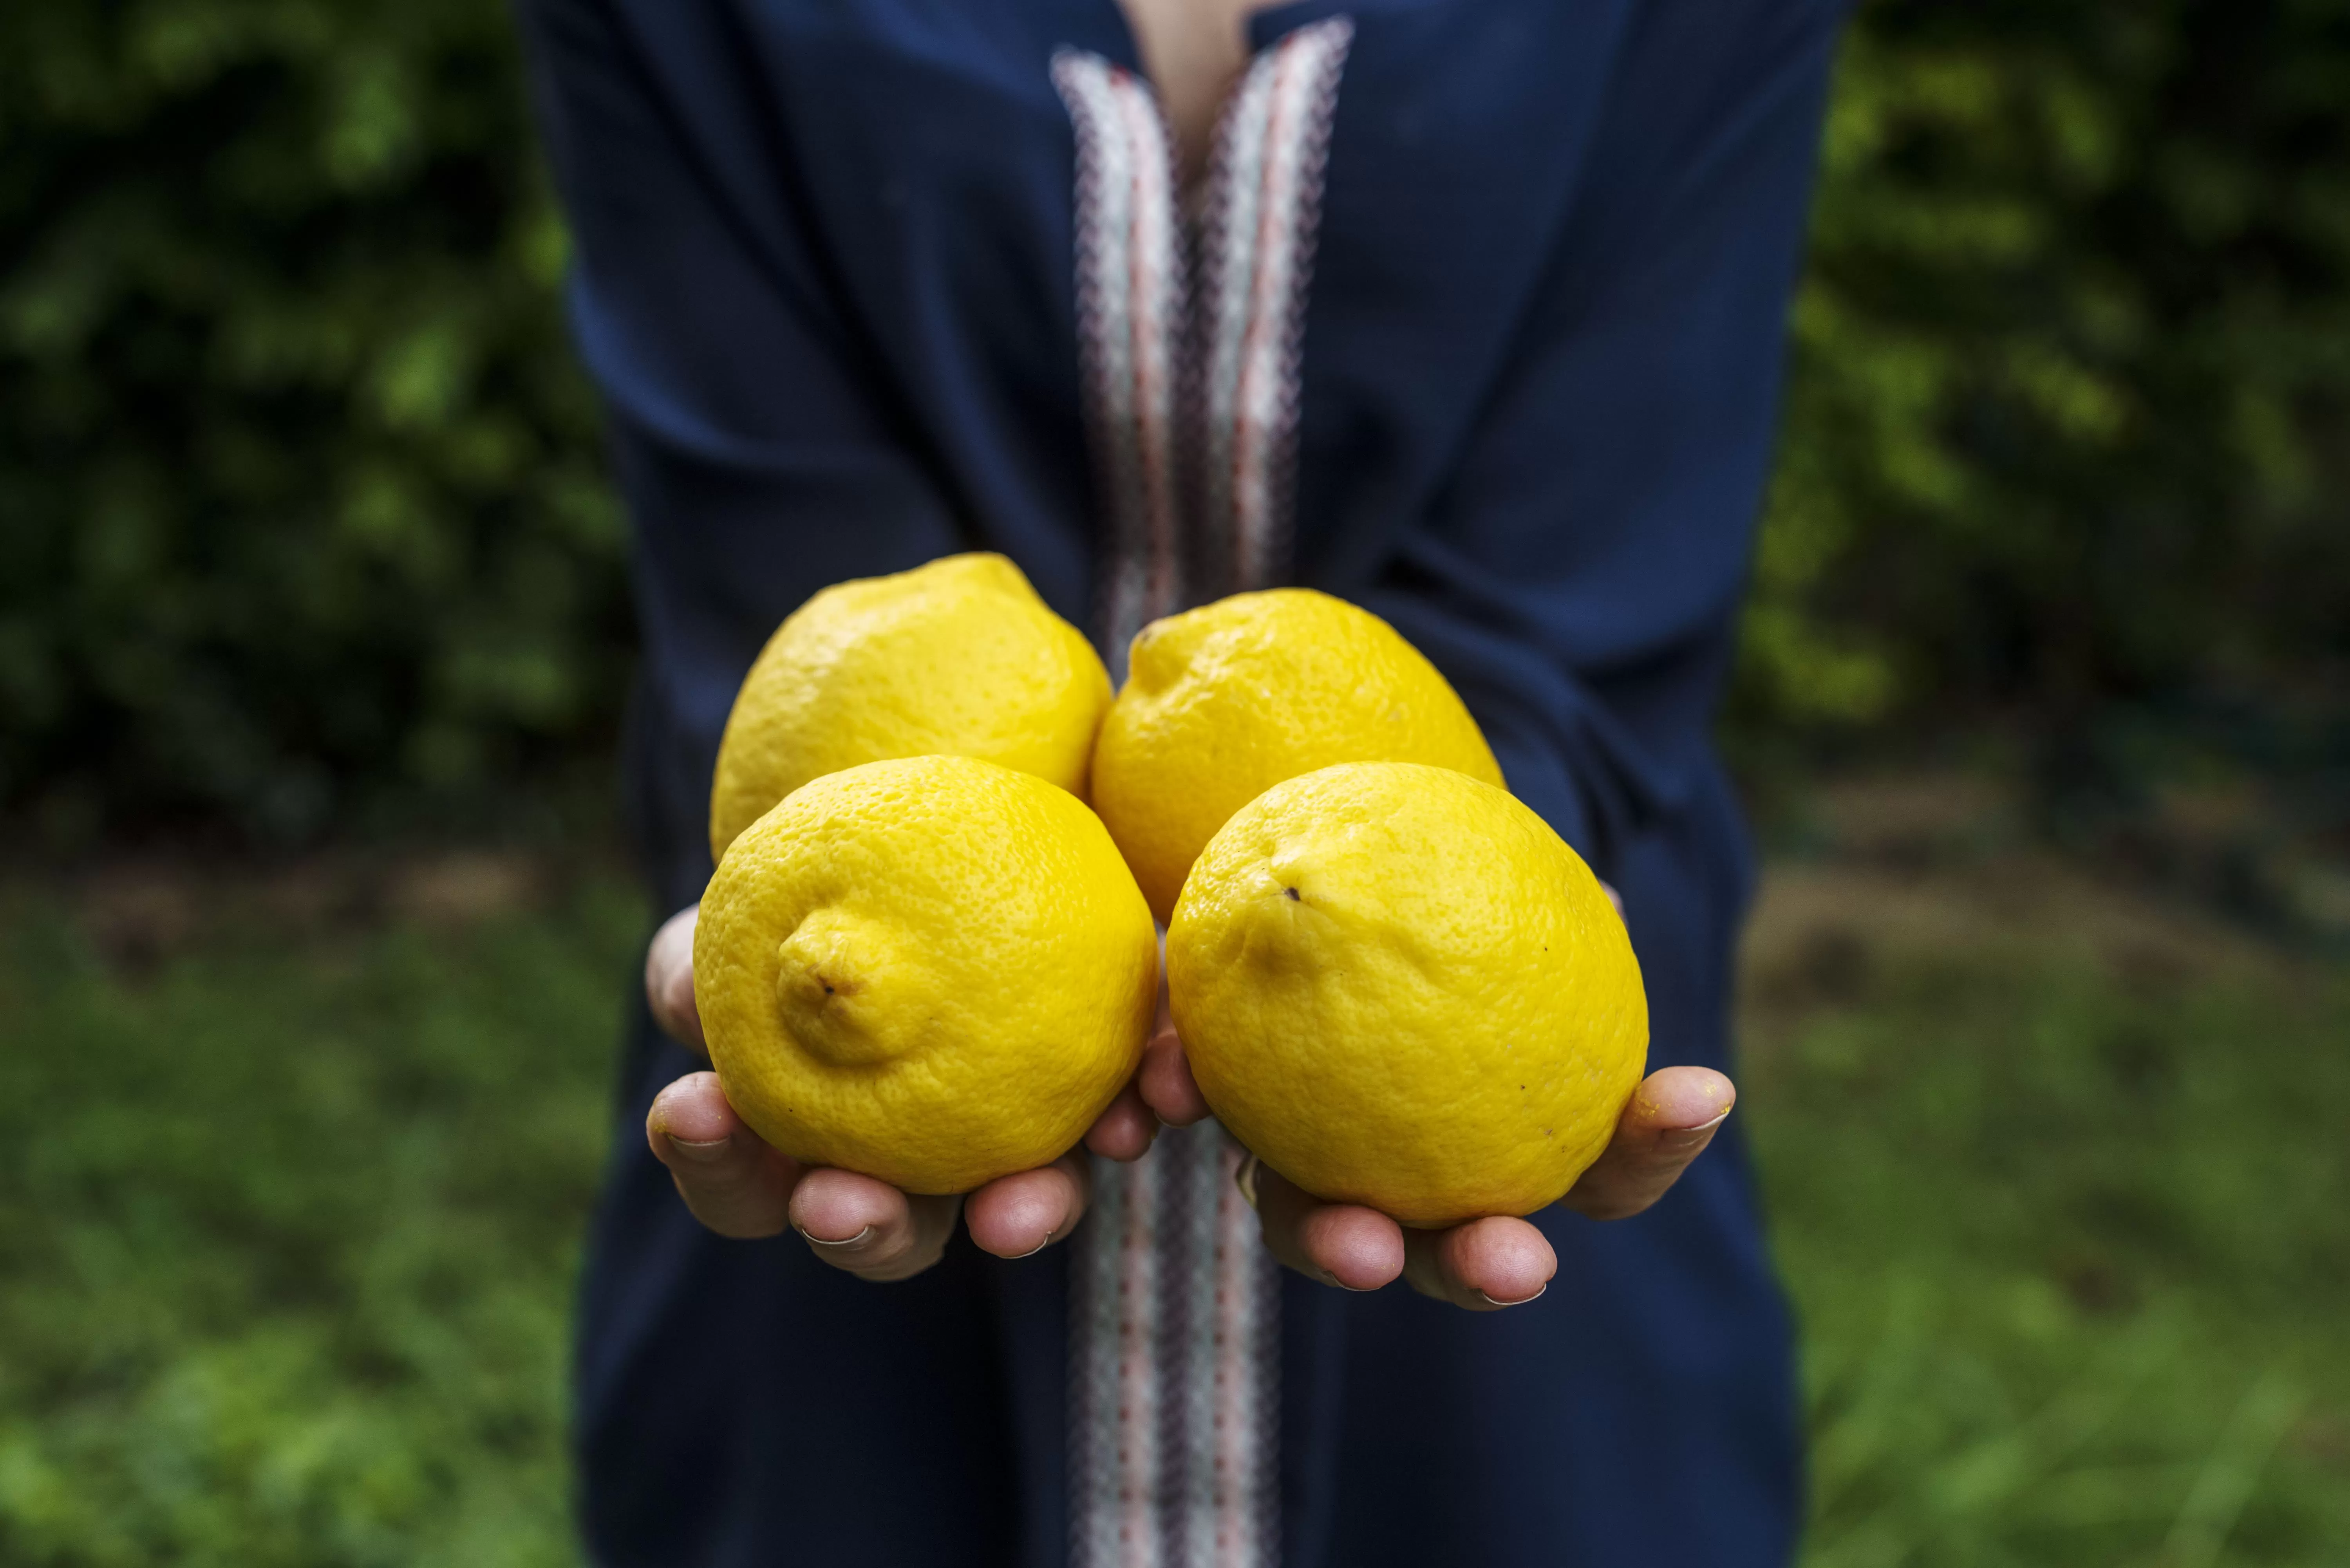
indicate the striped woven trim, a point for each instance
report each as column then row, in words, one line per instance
column 1131, row 310
column 1174, row 1458
column 1256, row 257
column 1115, row 1425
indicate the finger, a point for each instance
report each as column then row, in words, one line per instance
column 1016, row 1215
column 868, row 1228
column 1342, row 1244
column 669, row 980
column 731, row 1180
column 1124, row 1131
column 1168, row 1087
column 1484, row 1265
column 1667, row 1123
column 1614, row 898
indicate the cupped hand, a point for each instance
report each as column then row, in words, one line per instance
column 737, row 1185
column 1486, row 1265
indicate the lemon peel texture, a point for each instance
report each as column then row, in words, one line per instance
column 956, row 657
column 1400, row 987
column 1222, row 702
column 933, row 971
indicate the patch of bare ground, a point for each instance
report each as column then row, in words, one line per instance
column 140, row 910
column 1937, row 869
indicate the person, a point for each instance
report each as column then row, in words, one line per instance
column 1469, row 311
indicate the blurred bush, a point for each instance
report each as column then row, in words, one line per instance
column 301, row 490
column 2073, row 365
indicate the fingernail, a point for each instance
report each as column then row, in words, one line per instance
column 1682, row 1138
column 1031, row 1251
column 700, row 1153
column 1330, row 1278
column 857, row 1240
column 1245, row 1180
column 1520, row 1301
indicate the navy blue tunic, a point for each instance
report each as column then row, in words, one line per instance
column 824, row 281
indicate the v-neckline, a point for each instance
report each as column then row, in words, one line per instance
column 1261, row 30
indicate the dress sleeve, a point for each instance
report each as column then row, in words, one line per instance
column 1578, row 576
column 760, row 450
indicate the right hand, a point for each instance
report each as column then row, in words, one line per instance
column 737, row 1185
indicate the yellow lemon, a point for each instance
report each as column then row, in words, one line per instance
column 1222, row 702
column 1398, row 987
column 932, row 969
column 958, row 658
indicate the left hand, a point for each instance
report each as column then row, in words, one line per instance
column 1483, row 1265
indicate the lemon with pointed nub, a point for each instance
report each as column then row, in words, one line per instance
column 957, row 658
column 1400, row 987
column 1222, row 702
column 932, row 969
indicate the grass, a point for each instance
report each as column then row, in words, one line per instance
column 287, row 1232
column 289, row 1209
column 2062, row 1202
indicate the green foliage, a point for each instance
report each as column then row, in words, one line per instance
column 300, row 503
column 287, row 1229
column 2072, row 368
column 2068, row 1257
column 299, row 484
